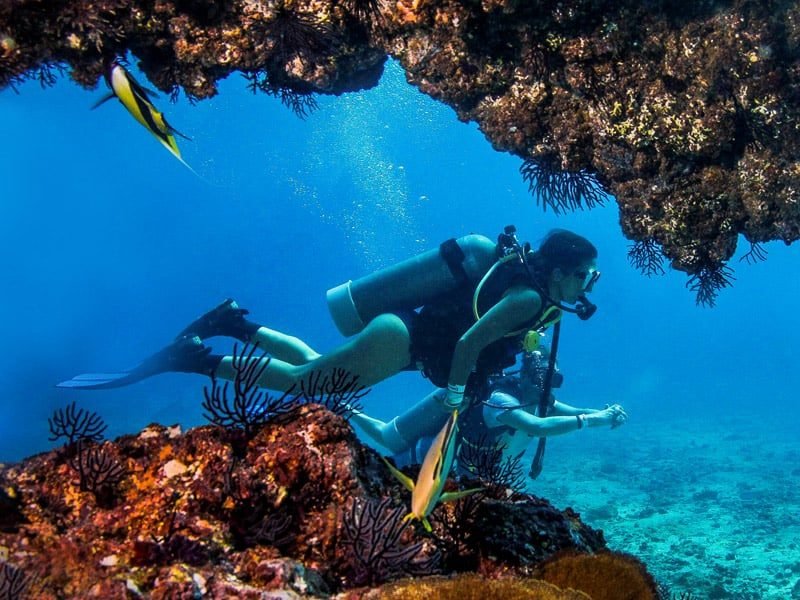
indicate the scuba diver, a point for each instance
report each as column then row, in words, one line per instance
column 506, row 417
column 459, row 314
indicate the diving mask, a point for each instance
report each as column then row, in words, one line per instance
column 589, row 278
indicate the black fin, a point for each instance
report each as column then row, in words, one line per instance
column 104, row 99
column 173, row 130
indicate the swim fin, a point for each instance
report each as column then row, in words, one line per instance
column 226, row 319
column 186, row 355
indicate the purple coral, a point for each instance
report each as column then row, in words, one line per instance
column 13, row 581
column 373, row 531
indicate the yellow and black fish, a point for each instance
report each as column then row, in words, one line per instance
column 426, row 492
column 136, row 99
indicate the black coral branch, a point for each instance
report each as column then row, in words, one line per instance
column 561, row 190
column 647, row 257
column 75, row 424
column 708, row 282
column 13, row 581
column 250, row 407
column 339, row 392
column 373, row 530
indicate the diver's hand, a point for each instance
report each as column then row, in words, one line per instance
column 620, row 416
column 611, row 416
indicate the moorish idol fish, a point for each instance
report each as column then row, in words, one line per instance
column 427, row 491
column 136, row 99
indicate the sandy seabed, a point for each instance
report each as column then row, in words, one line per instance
column 711, row 504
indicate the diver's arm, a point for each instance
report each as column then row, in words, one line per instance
column 618, row 419
column 550, row 426
column 537, row 427
column 518, row 305
column 561, row 409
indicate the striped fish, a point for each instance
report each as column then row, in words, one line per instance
column 426, row 492
column 136, row 100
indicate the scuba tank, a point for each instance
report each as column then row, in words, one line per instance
column 411, row 283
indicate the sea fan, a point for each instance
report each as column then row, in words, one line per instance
column 707, row 283
column 561, row 190
column 487, row 461
column 372, row 530
column 302, row 104
column 646, row 256
column 455, row 531
column 75, row 425
column 250, row 406
column 13, row 581
column 756, row 254
column 99, row 472
column 339, row 391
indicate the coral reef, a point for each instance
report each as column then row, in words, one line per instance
column 603, row 576
column 305, row 509
column 685, row 112
column 473, row 587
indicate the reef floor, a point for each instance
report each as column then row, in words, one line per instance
column 711, row 504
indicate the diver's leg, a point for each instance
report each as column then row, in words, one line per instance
column 186, row 355
column 381, row 350
column 284, row 347
column 423, row 419
column 227, row 319
column 380, row 432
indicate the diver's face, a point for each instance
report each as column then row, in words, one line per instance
column 572, row 284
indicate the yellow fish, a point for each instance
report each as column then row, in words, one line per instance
column 136, row 100
column 427, row 491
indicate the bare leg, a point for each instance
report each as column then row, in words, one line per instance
column 380, row 432
column 423, row 419
column 381, row 350
column 284, row 347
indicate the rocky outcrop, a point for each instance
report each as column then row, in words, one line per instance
column 685, row 112
column 302, row 508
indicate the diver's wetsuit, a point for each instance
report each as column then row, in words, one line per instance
column 436, row 328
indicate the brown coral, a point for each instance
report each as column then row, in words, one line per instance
column 474, row 587
column 603, row 576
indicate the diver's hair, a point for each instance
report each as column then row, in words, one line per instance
column 561, row 249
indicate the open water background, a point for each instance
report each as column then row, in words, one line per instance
column 108, row 247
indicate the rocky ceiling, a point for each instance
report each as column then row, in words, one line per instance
column 685, row 112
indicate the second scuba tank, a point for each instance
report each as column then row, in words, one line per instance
column 411, row 283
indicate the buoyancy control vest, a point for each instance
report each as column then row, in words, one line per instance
column 441, row 322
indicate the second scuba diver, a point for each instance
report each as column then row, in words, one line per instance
column 506, row 417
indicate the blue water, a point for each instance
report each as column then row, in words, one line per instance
column 110, row 246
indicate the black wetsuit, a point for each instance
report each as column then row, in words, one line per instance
column 436, row 328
